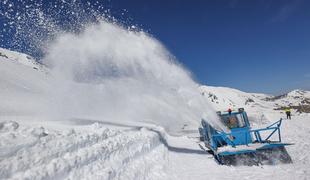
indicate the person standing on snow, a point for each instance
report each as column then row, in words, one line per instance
column 288, row 113
column 229, row 111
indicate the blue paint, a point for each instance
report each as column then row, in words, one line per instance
column 241, row 134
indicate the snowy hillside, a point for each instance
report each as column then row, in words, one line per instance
column 297, row 99
column 20, row 58
column 223, row 98
column 36, row 146
column 22, row 80
column 261, row 107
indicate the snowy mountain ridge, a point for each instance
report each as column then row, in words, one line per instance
column 223, row 98
column 20, row 58
column 22, row 80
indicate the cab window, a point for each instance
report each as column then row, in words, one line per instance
column 233, row 120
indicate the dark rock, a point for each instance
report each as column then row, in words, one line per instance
column 3, row 55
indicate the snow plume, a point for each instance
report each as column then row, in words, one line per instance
column 103, row 70
column 114, row 74
column 28, row 26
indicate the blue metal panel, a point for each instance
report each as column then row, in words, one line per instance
column 241, row 136
column 229, row 153
column 273, row 145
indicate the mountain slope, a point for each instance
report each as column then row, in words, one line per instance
column 20, row 58
column 223, row 98
column 22, row 80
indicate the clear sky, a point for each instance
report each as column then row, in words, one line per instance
column 251, row 45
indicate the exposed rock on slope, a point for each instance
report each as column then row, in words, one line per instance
column 223, row 98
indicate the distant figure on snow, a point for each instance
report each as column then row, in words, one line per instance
column 229, row 111
column 288, row 113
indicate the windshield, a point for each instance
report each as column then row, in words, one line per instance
column 233, row 120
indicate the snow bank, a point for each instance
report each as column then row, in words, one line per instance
column 95, row 153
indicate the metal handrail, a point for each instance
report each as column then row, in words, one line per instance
column 255, row 131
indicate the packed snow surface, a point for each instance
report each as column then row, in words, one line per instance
column 32, row 150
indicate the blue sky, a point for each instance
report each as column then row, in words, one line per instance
column 255, row 46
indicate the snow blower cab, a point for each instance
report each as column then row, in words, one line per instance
column 243, row 145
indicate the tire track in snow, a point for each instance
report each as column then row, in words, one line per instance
column 140, row 159
column 47, row 148
column 105, row 153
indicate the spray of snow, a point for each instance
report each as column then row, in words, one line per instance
column 106, row 71
column 111, row 73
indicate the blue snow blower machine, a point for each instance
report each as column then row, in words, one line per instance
column 243, row 145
